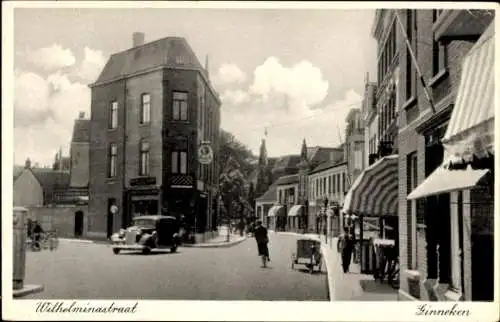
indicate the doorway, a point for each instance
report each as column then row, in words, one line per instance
column 78, row 223
column 110, row 217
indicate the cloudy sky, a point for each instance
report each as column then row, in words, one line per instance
column 295, row 72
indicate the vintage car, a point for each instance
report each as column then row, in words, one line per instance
column 148, row 233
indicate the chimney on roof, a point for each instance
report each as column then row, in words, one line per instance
column 81, row 115
column 27, row 164
column 138, row 39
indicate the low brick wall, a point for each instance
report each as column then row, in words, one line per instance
column 60, row 218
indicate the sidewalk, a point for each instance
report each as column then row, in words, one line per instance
column 351, row 286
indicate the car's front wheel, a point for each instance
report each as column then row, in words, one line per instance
column 116, row 251
column 146, row 250
column 173, row 249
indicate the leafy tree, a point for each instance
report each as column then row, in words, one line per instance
column 237, row 164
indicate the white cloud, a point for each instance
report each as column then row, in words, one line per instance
column 235, row 97
column 92, row 64
column 52, row 58
column 45, row 110
column 230, row 73
column 302, row 82
column 286, row 130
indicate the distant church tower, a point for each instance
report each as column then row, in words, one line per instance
column 263, row 174
column 303, row 178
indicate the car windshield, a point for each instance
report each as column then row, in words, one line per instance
column 144, row 223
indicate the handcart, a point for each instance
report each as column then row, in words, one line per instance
column 308, row 254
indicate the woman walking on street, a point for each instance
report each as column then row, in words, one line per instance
column 262, row 239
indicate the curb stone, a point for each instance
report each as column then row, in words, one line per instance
column 79, row 241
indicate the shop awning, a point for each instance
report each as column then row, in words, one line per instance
column 294, row 211
column 274, row 211
column 443, row 180
column 375, row 191
column 471, row 129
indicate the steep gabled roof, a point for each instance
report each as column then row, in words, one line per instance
column 163, row 52
column 289, row 179
column 17, row 170
column 51, row 179
column 81, row 131
column 270, row 195
column 288, row 161
column 327, row 165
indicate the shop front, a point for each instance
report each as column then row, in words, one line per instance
column 462, row 266
column 294, row 214
column 142, row 198
column 274, row 217
column 374, row 197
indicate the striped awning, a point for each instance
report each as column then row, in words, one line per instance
column 294, row 211
column 274, row 211
column 471, row 129
column 375, row 190
column 443, row 180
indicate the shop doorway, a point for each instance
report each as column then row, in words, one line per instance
column 78, row 223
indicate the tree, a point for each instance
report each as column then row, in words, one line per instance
column 237, row 163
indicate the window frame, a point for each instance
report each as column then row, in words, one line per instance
column 113, row 115
column 177, row 104
column 142, row 118
column 144, row 150
column 112, row 160
column 179, row 156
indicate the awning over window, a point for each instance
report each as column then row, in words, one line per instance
column 375, row 190
column 294, row 211
column 443, row 180
column 471, row 129
column 274, row 211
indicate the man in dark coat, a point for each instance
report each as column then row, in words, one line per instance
column 262, row 239
column 346, row 243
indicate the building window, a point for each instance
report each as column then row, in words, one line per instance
column 439, row 51
column 179, row 162
column 112, row 156
column 330, row 190
column 386, row 54
column 411, row 182
column 113, row 115
column 344, row 183
column 410, row 70
column 145, row 108
column 180, row 106
column 144, row 158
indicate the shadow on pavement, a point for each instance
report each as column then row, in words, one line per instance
column 373, row 286
column 149, row 254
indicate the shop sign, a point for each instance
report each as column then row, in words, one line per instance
column 143, row 181
column 205, row 154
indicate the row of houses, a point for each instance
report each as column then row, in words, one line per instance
column 418, row 158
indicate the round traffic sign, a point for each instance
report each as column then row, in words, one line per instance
column 205, row 154
column 114, row 209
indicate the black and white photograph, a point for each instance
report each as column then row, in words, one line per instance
column 278, row 152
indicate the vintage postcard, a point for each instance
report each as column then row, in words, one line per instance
column 260, row 161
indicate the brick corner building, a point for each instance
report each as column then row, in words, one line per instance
column 152, row 107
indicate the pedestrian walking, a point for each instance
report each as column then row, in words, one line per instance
column 262, row 239
column 346, row 244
